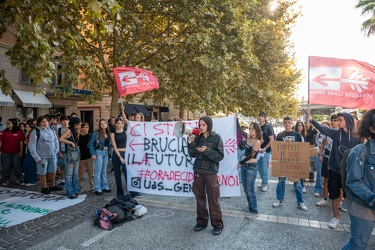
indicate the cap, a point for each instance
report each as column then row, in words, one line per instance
column 262, row 113
column 74, row 120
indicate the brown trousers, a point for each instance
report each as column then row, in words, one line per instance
column 83, row 164
column 207, row 185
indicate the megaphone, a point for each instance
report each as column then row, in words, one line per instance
column 180, row 129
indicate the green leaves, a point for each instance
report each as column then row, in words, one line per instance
column 207, row 55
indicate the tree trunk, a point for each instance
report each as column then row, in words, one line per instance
column 114, row 101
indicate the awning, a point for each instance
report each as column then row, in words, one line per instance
column 6, row 100
column 161, row 108
column 129, row 109
column 141, row 109
column 29, row 99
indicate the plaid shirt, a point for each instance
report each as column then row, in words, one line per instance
column 207, row 162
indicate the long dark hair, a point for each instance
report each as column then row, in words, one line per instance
column 15, row 127
column 102, row 133
column 208, row 121
column 257, row 129
column 304, row 132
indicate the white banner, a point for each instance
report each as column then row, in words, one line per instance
column 158, row 162
column 18, row 206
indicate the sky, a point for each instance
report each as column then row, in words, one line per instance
column 330, row 28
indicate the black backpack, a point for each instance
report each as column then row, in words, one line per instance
column 344, row 151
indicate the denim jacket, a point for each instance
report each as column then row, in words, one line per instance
column 360, row 177
column 90, row 145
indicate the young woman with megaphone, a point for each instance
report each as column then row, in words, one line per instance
column 207, row 149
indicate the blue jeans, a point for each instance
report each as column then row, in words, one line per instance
column 249, row 174
column 71, row 178
column 240, row 154
column 360, row 232
column 117, row 169
column 263, row 165
column 100, row 170
column 318, row 183
column 280, row 190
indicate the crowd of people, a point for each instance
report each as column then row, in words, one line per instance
column 344, row 130
column 57, row 145
column 38, row 149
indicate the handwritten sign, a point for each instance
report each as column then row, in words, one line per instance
column 291, row 159
column 158, row 162
column 18, row 206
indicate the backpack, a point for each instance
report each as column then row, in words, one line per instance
column 37, row 131
column 266, row 125
column 345, row 154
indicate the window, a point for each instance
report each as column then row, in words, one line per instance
column 24, row 79
column 28, row 113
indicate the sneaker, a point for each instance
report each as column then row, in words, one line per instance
column 107, row 190
column 61, row 184
column 322, row 203
column 304, row 190
column 252, row 216
column 198, row 228
column 98, row 193
column 55, row 188
column 45, row 191
column 316, row 194
column 264, row 189
column 217, row 231
column 30, row 184
column 302, row 206
column 333, row 223
column 73, row 196
column 342, row 209
column 277, row 204
column 5, row 183
column 260, row 186
column 137, row 196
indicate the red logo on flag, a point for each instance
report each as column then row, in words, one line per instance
column 341, row 82
column 131, row 80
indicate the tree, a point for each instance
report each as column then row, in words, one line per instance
column 207, row 55
column 368, row 8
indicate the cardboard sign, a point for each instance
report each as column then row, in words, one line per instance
column 291, row 159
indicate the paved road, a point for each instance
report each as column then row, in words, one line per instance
column 170, row 221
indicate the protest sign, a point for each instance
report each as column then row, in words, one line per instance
column 291, row 159
column 18, row 206
column 158, row 162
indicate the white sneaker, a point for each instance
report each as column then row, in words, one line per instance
column 333, row 223
column 342, row 209
column 252, row 216
column 316, row 194
column 322, row 203
column 260, row 186
column 277, row 204
column 264, row 189
column 30, row 184
column 302, row 206
column 304, row 190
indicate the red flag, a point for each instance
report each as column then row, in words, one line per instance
column 341, row 82
column 131, row 80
